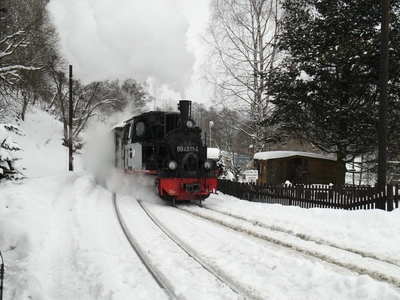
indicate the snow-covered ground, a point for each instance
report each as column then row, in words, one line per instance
column 60, row 238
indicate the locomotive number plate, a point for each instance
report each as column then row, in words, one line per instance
column 187, row 148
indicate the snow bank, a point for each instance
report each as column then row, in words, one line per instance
column 23, row 226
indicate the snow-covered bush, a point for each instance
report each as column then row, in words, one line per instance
column 8, row 171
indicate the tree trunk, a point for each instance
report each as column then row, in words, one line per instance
column 340, row 169
column 24, row 106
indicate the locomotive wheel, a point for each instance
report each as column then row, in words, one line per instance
column 166, row 197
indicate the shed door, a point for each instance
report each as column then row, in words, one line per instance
column 298, row 171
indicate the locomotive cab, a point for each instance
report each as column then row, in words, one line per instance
column 142, row 135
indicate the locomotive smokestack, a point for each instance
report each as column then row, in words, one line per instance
column 185, row 107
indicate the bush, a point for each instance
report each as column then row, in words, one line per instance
column 8, row 171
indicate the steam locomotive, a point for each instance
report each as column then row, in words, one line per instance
column 169, row 146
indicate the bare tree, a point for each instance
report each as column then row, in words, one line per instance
column 10, row 72
column 27, row 39
column 137, row 96
column 242, row 38
column 224, row 134
column 97, row 99
column 87, row 101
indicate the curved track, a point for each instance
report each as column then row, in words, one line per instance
column 162, row 282
column 164, row 275
column 351, row 259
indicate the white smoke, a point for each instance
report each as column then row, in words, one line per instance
column 139, row 39
column 99, row 159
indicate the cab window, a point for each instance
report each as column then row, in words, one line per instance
column 140, row 129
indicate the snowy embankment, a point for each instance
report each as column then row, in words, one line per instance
column 369, row 232
column 60, row 238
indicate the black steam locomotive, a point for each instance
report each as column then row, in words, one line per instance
column 168, row 145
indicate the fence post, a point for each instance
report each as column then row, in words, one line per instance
column 389, row 198
column 237, row 189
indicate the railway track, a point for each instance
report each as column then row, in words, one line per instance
column 158, row 277
column 162, row 274
column 354, row 260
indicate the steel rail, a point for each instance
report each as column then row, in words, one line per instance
column 191, row 254
column 162, row 282
column 372, row 272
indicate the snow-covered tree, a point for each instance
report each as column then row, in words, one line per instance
column 27, row 43
column 8, row 170
column 326, row 88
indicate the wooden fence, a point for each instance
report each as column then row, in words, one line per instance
column 308, row 196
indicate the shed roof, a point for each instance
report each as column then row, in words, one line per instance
column 283, row 154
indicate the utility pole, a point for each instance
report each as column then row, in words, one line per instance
column 1, row 276
column 1, row 25
column 383, row 104
column 211, row 125
column 71, row 112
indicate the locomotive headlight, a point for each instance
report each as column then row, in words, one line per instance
column 189, row 123
column 208, row 165
column 172, row 165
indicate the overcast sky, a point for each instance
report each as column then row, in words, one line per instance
column 139, row 39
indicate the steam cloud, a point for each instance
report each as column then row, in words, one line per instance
column 140, row 39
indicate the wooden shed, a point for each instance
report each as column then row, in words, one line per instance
column 275, row 167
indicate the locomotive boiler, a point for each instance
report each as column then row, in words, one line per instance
column 169, row 146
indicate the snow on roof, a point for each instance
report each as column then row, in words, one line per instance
column 119, row 125
column 213, row 153
column 282, row 154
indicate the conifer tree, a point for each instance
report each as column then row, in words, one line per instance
column 327, row 87
column 8, row 170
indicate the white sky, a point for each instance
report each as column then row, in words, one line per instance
column 157, row 40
